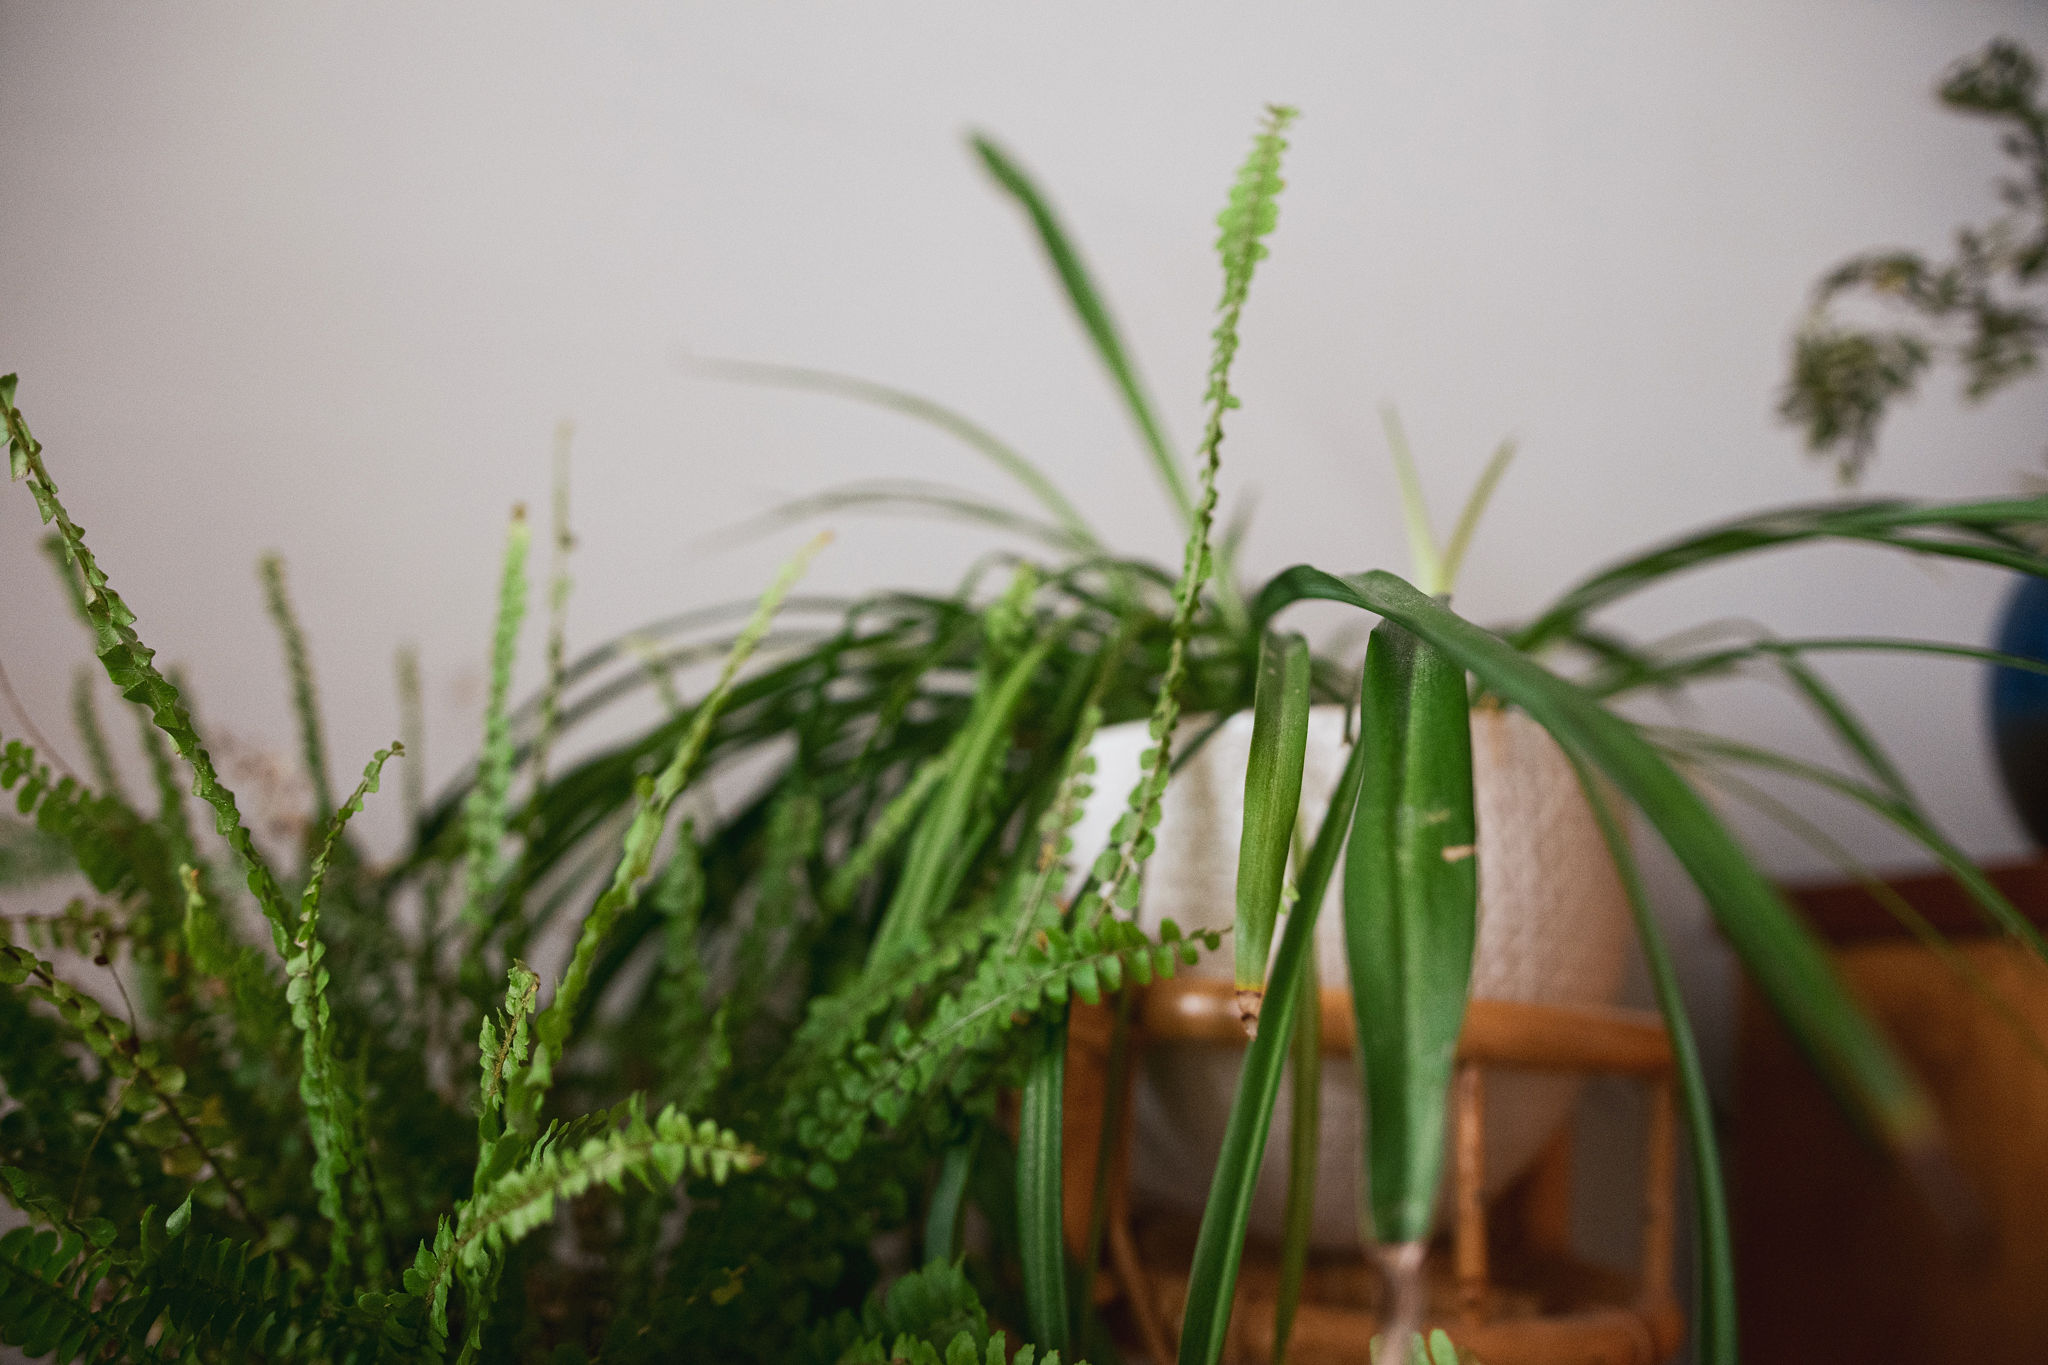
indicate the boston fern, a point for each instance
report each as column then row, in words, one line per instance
column 703, row 1044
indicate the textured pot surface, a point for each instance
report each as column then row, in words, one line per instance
column 1553, row 929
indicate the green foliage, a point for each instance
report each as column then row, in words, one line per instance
column 173, row 1124
column 85, row 718
column 1981, row 307
column 299, row 668
column 119, row 852
column 1039, row 1192
column 929, row 1317
column 871, row 1084
column 1219, row 1245
column 1251, row 214
column 1093, row 311
column 1411, row 919
column 338, row 1157
column 485, row 813
column 131, row 664
column 1714, row 1332
column 1272, row 801
column 669, row 1146
column 856, row 941
column 1304, row 1144
column 48, row 1284
column 527, row 1086
column 559, row 586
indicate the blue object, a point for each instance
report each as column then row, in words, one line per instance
column 2019, row 706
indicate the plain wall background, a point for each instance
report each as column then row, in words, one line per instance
column 323, row 279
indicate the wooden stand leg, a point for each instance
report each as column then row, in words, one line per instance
column 1470, row 1235
column 1160, row 1344
column 1660, row 1174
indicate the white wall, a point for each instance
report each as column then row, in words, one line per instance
column 323, row 278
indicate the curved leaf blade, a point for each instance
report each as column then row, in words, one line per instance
column 1783, row 957
column 1272, row 800
column 1411, row 903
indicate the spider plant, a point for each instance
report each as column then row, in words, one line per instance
column 1409, row 913
column 817, row 908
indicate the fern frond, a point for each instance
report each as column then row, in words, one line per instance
column 299, row 667
column 337, row 1155
column 880, row 1082
column 130, row 663
column 795, row 825
column 177, row 1127
column 218, row 1299
column 81, row 927
column 558, row 611
column 694, row 1053
column 835, row 1023
column 669, row 1147
column 934, row 1303
column 85, row 718
column 502, row 1051
column 50, row 1287
column 485, row 815
column 258, row 1010
column 1250, row 215
column 1055, row 840
column 119, row 852
column 897, row 819
column 930, row 1316
column 652, row 801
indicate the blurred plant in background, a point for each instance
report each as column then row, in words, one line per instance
column 1982, row 307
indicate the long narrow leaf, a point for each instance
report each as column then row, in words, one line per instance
column 1686, row 668
column 1411, row 918
column 1304, row 1147
column 1219, row 1245
column 654, row 798
column 1714, row 1337
column 999, row 452
column 1272, row 800
column 1998, row 909
column 1089, row 306
column 1978, row 531
column 1423, row 551
column 1896, row 905
column 1039, row 1191
column 1473, row 510
column 1848, row 727
column 949, row 1201
column 902, row 497
column 1783, row 957
column 937, row 853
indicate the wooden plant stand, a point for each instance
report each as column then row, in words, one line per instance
column 1504, row 1281
column 1838, row 1253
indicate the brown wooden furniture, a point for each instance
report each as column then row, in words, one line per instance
column 1505, row 1283
column 1838, row 1255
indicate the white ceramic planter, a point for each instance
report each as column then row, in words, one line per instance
column 1553, row 929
